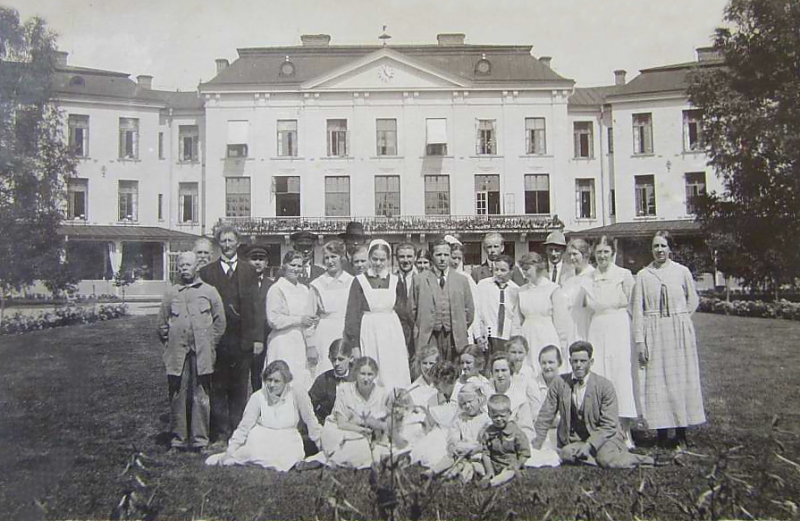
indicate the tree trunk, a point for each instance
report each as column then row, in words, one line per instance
column 2, row 303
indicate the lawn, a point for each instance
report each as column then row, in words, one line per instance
column 75, row 400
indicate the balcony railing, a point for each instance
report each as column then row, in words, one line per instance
column 402, row 224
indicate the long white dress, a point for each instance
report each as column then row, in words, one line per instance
column 286, row 305
column 382, row 334
column 267, row 436
column 580, row 313
column 543, row 319
column 608, row 295
column 328, row 301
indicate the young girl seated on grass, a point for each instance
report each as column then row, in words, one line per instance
column 268, row 435
column 323, row 392
column 440, row 411
column 463, row 458
column 354, row 435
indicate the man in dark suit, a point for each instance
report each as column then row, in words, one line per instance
column 493, row 247
column 257, row 257
column 353, row 237
column 235, row 281
column 588, row 431
column 404, row 253
column 303, row 243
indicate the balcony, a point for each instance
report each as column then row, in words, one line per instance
column 400, row 225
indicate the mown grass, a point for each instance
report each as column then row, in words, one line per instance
column 75, row 401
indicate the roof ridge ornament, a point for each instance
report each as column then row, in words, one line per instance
column 384, row 37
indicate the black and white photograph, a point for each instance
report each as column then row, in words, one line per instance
column 399, row 260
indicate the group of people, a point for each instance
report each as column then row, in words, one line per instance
column 543, row 361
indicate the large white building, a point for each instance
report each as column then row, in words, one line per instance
column 412, row 140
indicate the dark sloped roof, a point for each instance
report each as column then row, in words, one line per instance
column 663, row 79
column 131, row 233
column 641, row 229
column 180, row 100
column 591, row 96
column 260, row 66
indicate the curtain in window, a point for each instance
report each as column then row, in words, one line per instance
column 436, row 131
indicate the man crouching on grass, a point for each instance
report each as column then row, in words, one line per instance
column 588, row 431
column 190, row 323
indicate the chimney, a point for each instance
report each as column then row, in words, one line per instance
column 145, row 81
column 450, row 39
column 60, row 58
column 708, row 54
column 619, row 77
column 315, row 40
column 545, row 60
column 222, row 64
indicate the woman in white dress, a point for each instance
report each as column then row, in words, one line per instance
column 608, row 294
column 371, row 324
column 287, row 314
column 328, row 301
column 542, row 314
column 268, row 436
column 579, row 253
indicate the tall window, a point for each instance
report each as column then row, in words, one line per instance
column 189, row 142
column 287, row 196
column 128, row 200
column 487, row 137
column 77, row 200
column 695, row 187
column 643, row 133
column 160, row 207
column 612, row 199
column 437, row 195
column 237, row 140
column 188, row 199
column 535, row 142
column 692, row 130
column 610, row 140
column 161, row 145
column 287, row 137
column 487, row 194
column 128, row 138
column 337, row 196
column 387, row 195
column 237, row 197
column 386, row 138
column 79, row 135
column 582, row 134
column 645, row 187
column 436, row 137
column 337, row 137
column 537, row 193
column 584, row 199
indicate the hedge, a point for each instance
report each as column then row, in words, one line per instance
column 751, row 308
column 19, row 323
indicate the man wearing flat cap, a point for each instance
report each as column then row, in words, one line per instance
column 554, row 247
column 353, row 237
column 303, row 242
column 257, row 257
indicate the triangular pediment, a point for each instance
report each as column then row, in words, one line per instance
column 386, row 70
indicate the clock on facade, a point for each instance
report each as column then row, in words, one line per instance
column 287, row 68
column 385, row 73
column 483, row 67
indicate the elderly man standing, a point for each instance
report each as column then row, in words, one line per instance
column 203, row 250
column 235, row 280
column 493, row 247
column 191, row 322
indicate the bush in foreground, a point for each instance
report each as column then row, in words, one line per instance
column 751, row 308
column 19, row 323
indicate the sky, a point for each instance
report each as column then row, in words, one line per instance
column 177, row 41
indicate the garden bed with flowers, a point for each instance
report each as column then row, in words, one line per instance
column 751, row 308
column 68, row 315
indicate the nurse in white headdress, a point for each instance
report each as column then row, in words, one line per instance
column 371, row 323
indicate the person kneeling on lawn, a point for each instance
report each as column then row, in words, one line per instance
column 191, row 321
column 505, row 446
column 588, row 431
column 268, row 435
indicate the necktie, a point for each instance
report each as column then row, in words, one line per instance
column 555, row 272
column 260, row 279
column 441, row 281
column 230, row 268
column 501, row 312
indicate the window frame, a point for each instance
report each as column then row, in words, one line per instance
column 581, row 130
column 72, row 184
column 293, row 196
column 78, row 122
column 536, row 197
column 486, row 139
column 191, row 133
column 585, row 185
column 531, row 133
column 129, row 139
column 386, row 136
column 189, row 192
column 128, row 187
column 437, row 201
column 435, row 137
column 383, row 203
column 693, row 118
column 643, row 134
column 243, row 206
column 338, row 138
column 332, row 196
column 287, row 138
column 645, row 204
column 700, row 190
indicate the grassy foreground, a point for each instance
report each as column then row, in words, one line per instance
column 75, row 400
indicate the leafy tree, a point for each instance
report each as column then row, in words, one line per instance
column 751, row 126
column 34, row 158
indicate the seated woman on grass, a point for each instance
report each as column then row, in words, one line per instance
column 440, row 411
column 422, row 389
column 268, row 435
column 472, row 362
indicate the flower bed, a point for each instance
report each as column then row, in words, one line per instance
column 19, row 323
column 751, row 308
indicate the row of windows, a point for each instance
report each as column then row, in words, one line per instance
column 128, row 201
column 645, row 193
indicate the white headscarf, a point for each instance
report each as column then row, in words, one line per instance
column 385, row 271
column 449, row 239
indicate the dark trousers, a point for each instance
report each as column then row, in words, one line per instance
column 230, row 390
column 496, row 345
column 256, row 367
column 446, row 343
column 189, row 405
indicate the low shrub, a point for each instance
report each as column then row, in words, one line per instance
column 19, row 323
column 751, row 308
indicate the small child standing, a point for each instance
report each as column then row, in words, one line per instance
column 505, row 446
column 323, row 392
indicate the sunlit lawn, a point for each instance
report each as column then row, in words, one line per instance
column 74, row 401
